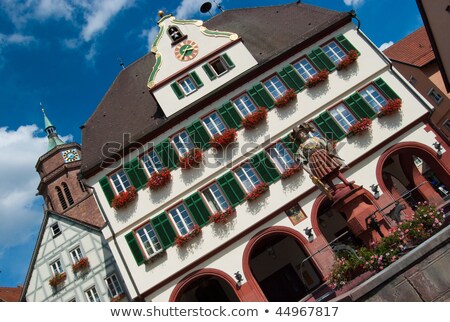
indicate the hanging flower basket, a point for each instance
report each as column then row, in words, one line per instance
column 287, row 96
column 222, row 217
column 317, row 79
column 124, row 198
column 257, row 191
column 290, row 171
column 182, row 240
column 57, row 279
column 191, row 159
column 117, row 298
column 81, row 265
column 222, row 140
column 252, row 120
column 348, row 60
column 391, row 107
column 363, row 125
column 159, row 179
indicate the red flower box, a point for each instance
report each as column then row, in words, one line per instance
column 118, row 297
column 361, row 126
column 252, row 120
column 191, row 158
column 82, row 264
column 222, row 140
column 222, row 217
column 257, row 191
column 57, row 279
column 317, row 79
column 287, row 96
column 159, row 179
column 351, row 57
column 290, row 171
column 124, row 198
column 181, row 240
column 391, row 107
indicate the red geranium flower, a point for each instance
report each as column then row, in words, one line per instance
column 159, row 179
column 318, row 78
column 222, row 217
column 124, row 198
column 257, row 191
column 252, row 120
column 351, row 57
column 222, row 140
column 181, row 240
column 191, row 158
column 361, row 126
column 391, row 107
column 287, row 96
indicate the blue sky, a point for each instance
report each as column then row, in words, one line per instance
column 66, row 54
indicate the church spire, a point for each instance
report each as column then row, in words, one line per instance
column 50, row 129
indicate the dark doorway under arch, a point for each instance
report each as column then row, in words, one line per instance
column 208, row 288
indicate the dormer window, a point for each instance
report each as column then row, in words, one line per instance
column 174, row 33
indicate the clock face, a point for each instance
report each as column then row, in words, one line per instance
column 186, row 50
column 71, row 155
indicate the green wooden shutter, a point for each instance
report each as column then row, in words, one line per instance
column 135, row 173
column 292, row 146
column 266, row 169
column 199, row 135
column 167, row 154
column 208, row 70
column 135, row 249
column 196, row 79
column 265, row 96
column 329, row 127
column 177, row 90
column 359, row 106
column 198, row 209
column 231, row 188
column 345, row 43
column 386, row 89
column 228, row 61
column 107, row 190
column 293, row 74
column 230, row 115
column 288, row 81
column 164, row 230
column 321, row 60
column 255, row 97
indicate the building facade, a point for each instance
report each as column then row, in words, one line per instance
column 245, row 222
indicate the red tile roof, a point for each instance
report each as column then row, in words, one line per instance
column 415, row 49
column 10, row 294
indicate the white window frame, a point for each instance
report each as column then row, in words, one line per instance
column 280, row 162
column 190, row 85
column 214, row 124
column 347, row 123
column 55, row 234
column 379, row 105
column 119, row 175
column 76, row 254
column 432, row 93
column 56, row 267
column 334, row 57
column 316, row 133
column 215, row 199
column 185, row 224
column 248, row 167
column 241, row 102
column 188, row 145
column 154, row 243
column 113, row 282
column 149, row 162
column 271, row 83
column 92, row 291
column 225, row 66
column 301, row 69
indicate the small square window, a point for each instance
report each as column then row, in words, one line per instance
column 316, row 133
column 214, row 124
column 56, row 267
column 275, row 86
column 149, row 240
column 281, row 157
column 343, row 116
column 188, row 85
column 92, row 295
column 114, row 288
column 183, row 221
column 152, row 162
column 305, row 69
column 244, row 105
column 183, row 143
column 219, row 66
column 247, row 177
column 215, row 198
column 120, row 181
column 412, row 80
column 56, row 231
column 435, row 96
column 447, row 125
column 334, row 52
column 76, row 255
column 372, row 96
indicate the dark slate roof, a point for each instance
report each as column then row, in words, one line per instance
column 128, row 106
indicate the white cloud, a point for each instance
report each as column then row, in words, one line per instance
column 189, row 8
column 20, row 214
column 53, row 8
column 15, row 39
column 91, row 54
column 386, row 45
column 354, row 3
column 150, row 35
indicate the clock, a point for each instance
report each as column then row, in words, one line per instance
column 186, row 50
column 71, row 155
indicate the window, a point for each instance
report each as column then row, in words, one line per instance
column 183, row 143
column 92, row 295
column 275, row 87
column 373, row 97
column 149, row 240
column 248, row 177
column 281, row 157
column 188, row 85
column 183, row 221
column 215, row 198
column 417, row 161
column 61, row 198
column 56, row 231
column 67, row 193
column 343, row 116
column 174, row 33
column 152, row 162
column 412, row 80
column 435, row 95
column 120, row 181
column 334, row 52
column 76, row 255
column 305, row 69
column 113, row 284
column 72, row 300
column 316, row 132
column 447, row 125
column 56, row 267
column 82, row 186
column 244, row 105
column 214, row 124
column 219, row 66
